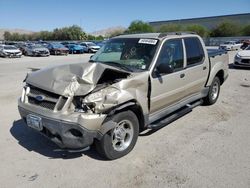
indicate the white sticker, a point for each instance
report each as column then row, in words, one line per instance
column 148, row 41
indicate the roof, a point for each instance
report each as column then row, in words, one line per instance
column 154, row 35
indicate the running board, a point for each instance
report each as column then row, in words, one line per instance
column 174, row 116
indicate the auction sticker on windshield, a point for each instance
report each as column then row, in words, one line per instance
column 147, row 41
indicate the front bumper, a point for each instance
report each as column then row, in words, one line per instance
column 93, row 50
column 42, row 54
column 73, row 51
column 239, row 62
column 60, row 52
column 63, row 131
column 12, row 55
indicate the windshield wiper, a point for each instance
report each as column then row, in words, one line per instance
column 122, row 66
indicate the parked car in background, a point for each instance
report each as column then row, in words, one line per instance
column 57, row 48
column 10, row 51
column 242, row 58
column 75, row 48
column 100, row 43
column 231, row 45
column 90, row 47
column 36, row 50
column 245, row 44
column 22, row 46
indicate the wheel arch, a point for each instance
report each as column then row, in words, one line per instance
column 132, row 105
column 220, row 75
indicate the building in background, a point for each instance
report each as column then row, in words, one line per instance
column 208, row 22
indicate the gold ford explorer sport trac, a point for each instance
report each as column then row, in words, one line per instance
column 134, row 82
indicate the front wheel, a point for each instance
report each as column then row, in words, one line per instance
column 120, row 140
column 213, row 93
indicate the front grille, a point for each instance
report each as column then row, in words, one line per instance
column 43, row 104
column 37, row 91
column 247, row 61
column 43, row 52
column 50, row 100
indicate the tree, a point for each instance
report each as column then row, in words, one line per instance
column 45, row 35
column 170, row 28
column 69, row 33
column 139, row 26
column 246, row 30
column 115, row 33
column 200, row 30
column 7, row 35
column 226, row 29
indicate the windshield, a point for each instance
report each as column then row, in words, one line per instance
column 37, row 46
column 57, row 45
column 91, row 44
column 248, row 48
column 10, row 48
column 134, row 53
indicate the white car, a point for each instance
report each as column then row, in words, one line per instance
column 90, row 47
column 231, row 45
column 10, row 51
column 242, row 58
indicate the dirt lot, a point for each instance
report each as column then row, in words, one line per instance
column 209, row 147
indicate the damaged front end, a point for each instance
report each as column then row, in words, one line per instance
column 73, row 101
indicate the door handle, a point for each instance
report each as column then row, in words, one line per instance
column 204, row 68
column 182, row 75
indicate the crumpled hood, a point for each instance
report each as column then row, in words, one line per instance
column 73, row 79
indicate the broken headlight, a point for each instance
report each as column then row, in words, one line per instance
column 90, row 102
column 102, row 95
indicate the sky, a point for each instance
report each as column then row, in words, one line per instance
column 94, row 15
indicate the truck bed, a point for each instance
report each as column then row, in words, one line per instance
column 215, row 52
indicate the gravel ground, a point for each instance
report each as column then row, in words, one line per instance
column 208, row 147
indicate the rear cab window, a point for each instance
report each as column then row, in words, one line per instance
column 194, row 51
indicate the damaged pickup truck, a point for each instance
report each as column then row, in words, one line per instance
column 134, row 82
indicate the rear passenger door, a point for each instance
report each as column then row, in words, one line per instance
column 197, row 68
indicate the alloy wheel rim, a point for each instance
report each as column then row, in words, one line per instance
column 215, row 91
column 122, row 135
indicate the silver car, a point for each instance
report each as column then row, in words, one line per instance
column 10, row 51
column 36, row 50
column 242, row 58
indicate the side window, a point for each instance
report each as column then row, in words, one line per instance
column 172, row 54
column 194, row 51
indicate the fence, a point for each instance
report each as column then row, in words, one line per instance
column 216, row 41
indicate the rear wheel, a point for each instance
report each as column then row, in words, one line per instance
column 120, row 140
column 213, row 93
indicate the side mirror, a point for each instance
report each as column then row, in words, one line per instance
column 164, row 68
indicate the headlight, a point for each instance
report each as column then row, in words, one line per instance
column 25, row 91
column 102, row 94
column 237, row 56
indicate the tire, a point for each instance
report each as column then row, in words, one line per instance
column 213, row 93
column 119, row 141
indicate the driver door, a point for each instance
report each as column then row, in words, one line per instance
column 167, row 89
